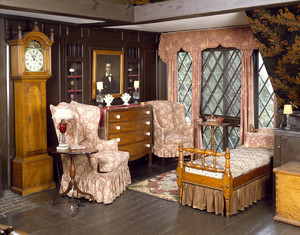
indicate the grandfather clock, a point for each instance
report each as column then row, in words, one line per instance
column 30, row 68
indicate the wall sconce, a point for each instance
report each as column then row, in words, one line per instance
column 136, row 94
column 99, row 98
column 287, row 110
column 63, row 114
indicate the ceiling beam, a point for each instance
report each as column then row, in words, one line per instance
column 89, row 9
column 179, row 9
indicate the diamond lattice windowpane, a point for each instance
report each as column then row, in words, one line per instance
column 224, row 80
column 221, row 90
column 233, row 137
column 265, row 97
column 185, row 82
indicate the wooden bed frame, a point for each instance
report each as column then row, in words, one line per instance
column 227, row 184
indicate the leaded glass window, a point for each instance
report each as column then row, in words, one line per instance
column 265, row 102
column 185, row 82
column 221, row 94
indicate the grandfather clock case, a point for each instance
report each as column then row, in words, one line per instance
column 30, row 68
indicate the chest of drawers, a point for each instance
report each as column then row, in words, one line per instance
column 132, row 127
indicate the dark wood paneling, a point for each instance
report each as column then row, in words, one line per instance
column 152, row 38
column 92, row 38
column 132, row 37
column 74, row 32
column 148, row 84
column 106, row 35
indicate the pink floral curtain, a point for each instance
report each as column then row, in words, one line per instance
column 195, row 42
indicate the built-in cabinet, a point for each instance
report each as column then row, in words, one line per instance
column 74, row 72
column 286, row 146
column 133, row 68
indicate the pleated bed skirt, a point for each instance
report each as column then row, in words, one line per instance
column 212, row 200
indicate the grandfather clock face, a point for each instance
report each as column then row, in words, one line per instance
column 34, row 57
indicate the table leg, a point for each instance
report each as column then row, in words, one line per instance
column 64, row 193
column 81, row 192
column 72, row 184
column 212, row 138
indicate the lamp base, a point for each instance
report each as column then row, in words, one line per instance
column 62, row 147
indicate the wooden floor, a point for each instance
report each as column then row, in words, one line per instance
column 137, row 213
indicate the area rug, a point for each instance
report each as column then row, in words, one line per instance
column 12, row 203
column 162, row 186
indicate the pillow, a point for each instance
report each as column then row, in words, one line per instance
column 263, row 138
column 266, row 131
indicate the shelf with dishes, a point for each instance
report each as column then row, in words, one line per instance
column 74, row 71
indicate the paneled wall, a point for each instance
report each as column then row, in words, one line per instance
column 91, row 38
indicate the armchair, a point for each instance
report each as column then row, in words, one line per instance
column 105, row 174
column 170, row 128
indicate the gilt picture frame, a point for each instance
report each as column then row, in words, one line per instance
column 108, row 68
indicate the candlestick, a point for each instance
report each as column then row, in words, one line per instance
column 99, row 85
column 136, row 84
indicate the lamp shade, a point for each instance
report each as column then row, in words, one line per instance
column 287, row 109
column 63, row 113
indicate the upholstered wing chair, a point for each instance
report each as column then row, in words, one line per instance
column 170, row 128
column 105, row 174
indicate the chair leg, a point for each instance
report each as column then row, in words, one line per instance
column 163, row 162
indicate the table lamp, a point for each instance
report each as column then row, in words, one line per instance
column 99, row 98
column 136, row 94
column 287, row 110
column 62, row 114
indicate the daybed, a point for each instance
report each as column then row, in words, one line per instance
column 237, row 178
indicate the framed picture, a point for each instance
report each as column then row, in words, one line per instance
column 108, row 69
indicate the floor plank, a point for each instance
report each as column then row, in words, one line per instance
column 137, row 213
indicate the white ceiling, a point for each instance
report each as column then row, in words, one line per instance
column 204, row 22
column 34, row 15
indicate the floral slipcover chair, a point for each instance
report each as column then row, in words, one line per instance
column 105, row 174
column 170, row 128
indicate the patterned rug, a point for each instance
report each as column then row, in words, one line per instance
column 12, row 203
column 163, row 186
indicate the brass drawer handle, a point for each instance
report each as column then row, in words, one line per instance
column 118, row 116
column 148, row 112
column 118, row 139
column 118, row 128
column 148, row 145
column 148, row 133
column 148, row 123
